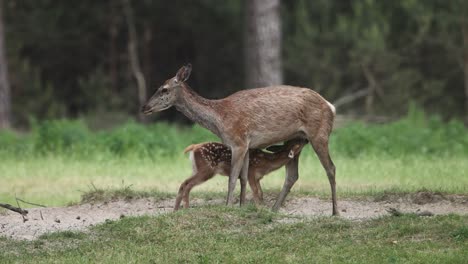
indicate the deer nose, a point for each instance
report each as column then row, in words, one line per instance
column 145, row 109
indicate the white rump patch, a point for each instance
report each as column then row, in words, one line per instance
column 194, row 164
column 332, row 107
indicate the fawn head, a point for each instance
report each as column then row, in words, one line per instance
column 167, row 94
column 294, row 147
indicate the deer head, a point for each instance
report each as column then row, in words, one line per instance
column 167, row 94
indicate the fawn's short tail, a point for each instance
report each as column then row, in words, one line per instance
column 190, row 148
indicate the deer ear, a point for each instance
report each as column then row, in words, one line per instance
column 275, row 148
column 184, row 73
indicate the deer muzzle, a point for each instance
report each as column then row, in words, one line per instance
column 146, row 110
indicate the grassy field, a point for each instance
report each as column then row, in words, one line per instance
column 57, row 180
column 247, row 235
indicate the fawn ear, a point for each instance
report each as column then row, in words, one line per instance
column 184, row 73
column 275, row 148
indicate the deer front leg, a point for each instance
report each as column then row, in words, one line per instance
column 237, row 160
column 292, row 174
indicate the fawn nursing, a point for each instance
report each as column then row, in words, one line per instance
column 209, row 159
column 255, row 118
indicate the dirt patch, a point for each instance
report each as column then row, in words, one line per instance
column 365, row 209
column 80, row 217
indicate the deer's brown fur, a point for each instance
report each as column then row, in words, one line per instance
column 255, row 118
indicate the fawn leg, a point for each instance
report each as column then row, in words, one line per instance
column 237, row 160
column 197, row 179
column 187, row 186
column 181, row 192
column 292, row 174
column 260, row 191
column 254, row 187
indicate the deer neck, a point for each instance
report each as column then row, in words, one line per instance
column 277, row 160
column 198, row 109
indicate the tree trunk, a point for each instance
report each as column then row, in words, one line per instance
column 113, row 34
column 372, row 90
column 262, row 43
column 133, row 56
column 5, row 100
column 147, row 62
column 465, row 65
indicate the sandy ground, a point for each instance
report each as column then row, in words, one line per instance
column 80, row 217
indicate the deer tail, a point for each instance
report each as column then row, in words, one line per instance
column 189, row 148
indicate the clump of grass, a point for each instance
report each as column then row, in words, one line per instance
column 63, row 235
column 95, row 194
column 461, row 233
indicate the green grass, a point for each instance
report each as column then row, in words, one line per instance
column 57, row 181
column 219, row 234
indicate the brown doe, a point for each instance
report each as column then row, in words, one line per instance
column 255, row 118
column 209, row 159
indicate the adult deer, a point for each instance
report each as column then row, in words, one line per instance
column 255, row 118
column 209, row 159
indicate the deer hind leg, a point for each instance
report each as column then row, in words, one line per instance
column 320, row 145
column 244, row 178
column 292, row 174
column 237, row 162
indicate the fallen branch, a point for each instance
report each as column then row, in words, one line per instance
column 23, row 201
column 18, row 210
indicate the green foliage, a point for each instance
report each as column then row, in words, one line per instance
column 328, row 44
column 35, row 97
column 416, row 134
column 60, row 136
column 71, row 66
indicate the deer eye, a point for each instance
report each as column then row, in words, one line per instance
column 164, row 90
